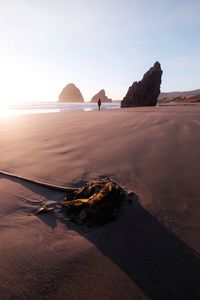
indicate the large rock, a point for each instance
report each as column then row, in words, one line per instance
column 70, row 93
column 146, row 91
column 101, row 95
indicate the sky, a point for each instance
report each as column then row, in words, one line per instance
column 104, row 44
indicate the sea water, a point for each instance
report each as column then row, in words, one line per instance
column 52, row 107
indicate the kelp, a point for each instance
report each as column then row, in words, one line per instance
column 44, row 209
column 98, row 202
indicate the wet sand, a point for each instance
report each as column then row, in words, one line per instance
column 150, row 252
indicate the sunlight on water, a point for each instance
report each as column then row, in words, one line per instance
column 88, row 109
column 5, row 113
column 51, row 107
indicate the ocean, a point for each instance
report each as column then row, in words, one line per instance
column 52, row 107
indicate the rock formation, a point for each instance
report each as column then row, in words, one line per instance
column 70, row 93
column 146, row 91
column 101, row 95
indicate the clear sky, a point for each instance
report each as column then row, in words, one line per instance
column 45, row 44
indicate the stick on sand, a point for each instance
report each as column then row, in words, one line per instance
column 45, row 184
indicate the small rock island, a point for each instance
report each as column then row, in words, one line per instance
column 70, row 93
column 102, row 96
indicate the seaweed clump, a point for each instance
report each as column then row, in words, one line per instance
column 97, row 203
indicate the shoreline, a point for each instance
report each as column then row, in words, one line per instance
column 44, row 108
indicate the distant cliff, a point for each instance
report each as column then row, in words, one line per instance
column 181, row 99
column 146, row 91
column 101, row 95
column 178, row 94
column 70, row 93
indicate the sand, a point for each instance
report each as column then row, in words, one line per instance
column 150, row 252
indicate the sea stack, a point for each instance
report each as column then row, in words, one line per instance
column 100, row 95
column 146, row 91
column 70, row 93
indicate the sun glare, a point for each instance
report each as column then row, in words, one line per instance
column 21, row 82
column 8, row 113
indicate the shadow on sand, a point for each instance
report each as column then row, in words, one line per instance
column 161, row 265
column 150, row 254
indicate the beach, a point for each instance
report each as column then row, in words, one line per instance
column 149, row 252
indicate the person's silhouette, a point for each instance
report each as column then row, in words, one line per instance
column 99, row 104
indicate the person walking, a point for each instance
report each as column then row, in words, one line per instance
column 99, row 104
